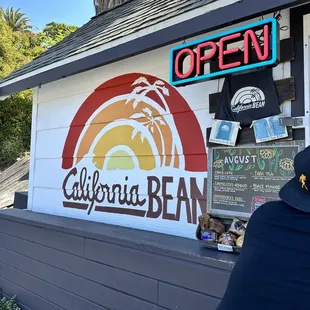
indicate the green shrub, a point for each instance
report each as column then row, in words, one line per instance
column 8, row 304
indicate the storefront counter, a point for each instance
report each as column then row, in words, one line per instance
column 99, row 266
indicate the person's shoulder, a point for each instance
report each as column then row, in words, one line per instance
column 270, row 207
column 268, row 210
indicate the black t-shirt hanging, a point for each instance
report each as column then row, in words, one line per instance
column 248, row 97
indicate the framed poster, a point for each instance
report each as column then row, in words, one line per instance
column 243, row 178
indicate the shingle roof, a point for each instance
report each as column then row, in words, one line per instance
column 119, row 22
column 14, row 179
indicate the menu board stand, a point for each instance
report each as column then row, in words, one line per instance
column 241, row 179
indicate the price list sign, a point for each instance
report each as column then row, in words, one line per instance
column 244, row 178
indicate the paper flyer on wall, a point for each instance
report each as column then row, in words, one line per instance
column 268, row 129
column 224, row 132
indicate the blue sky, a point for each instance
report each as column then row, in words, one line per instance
column 73, row 12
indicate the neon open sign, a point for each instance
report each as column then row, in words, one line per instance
column 256, row 52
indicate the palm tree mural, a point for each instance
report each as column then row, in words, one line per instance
column 16, row 20
column 143, row 87
column 140, row 91
column 151, row 123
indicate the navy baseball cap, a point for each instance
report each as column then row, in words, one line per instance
column 296, row 192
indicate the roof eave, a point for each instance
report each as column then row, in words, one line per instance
column 212, row 20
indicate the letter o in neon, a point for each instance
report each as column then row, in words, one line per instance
column 178, row 64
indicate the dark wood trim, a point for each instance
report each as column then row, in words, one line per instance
column 214, row 100
column 287, row 50
column 285, row 89
column 240, row 11
column 21, row 200
column 297, row 65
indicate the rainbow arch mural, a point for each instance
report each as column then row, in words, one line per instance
column 135, row 116
column 136, row 126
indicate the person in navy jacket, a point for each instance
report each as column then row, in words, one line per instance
column 273, row 270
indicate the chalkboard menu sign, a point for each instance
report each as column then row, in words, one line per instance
column 244, row 178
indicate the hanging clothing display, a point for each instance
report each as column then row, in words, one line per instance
column 248, row 97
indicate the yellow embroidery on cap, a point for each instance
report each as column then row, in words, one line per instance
column 303, row 180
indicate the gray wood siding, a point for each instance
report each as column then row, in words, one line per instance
column 49, row 265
